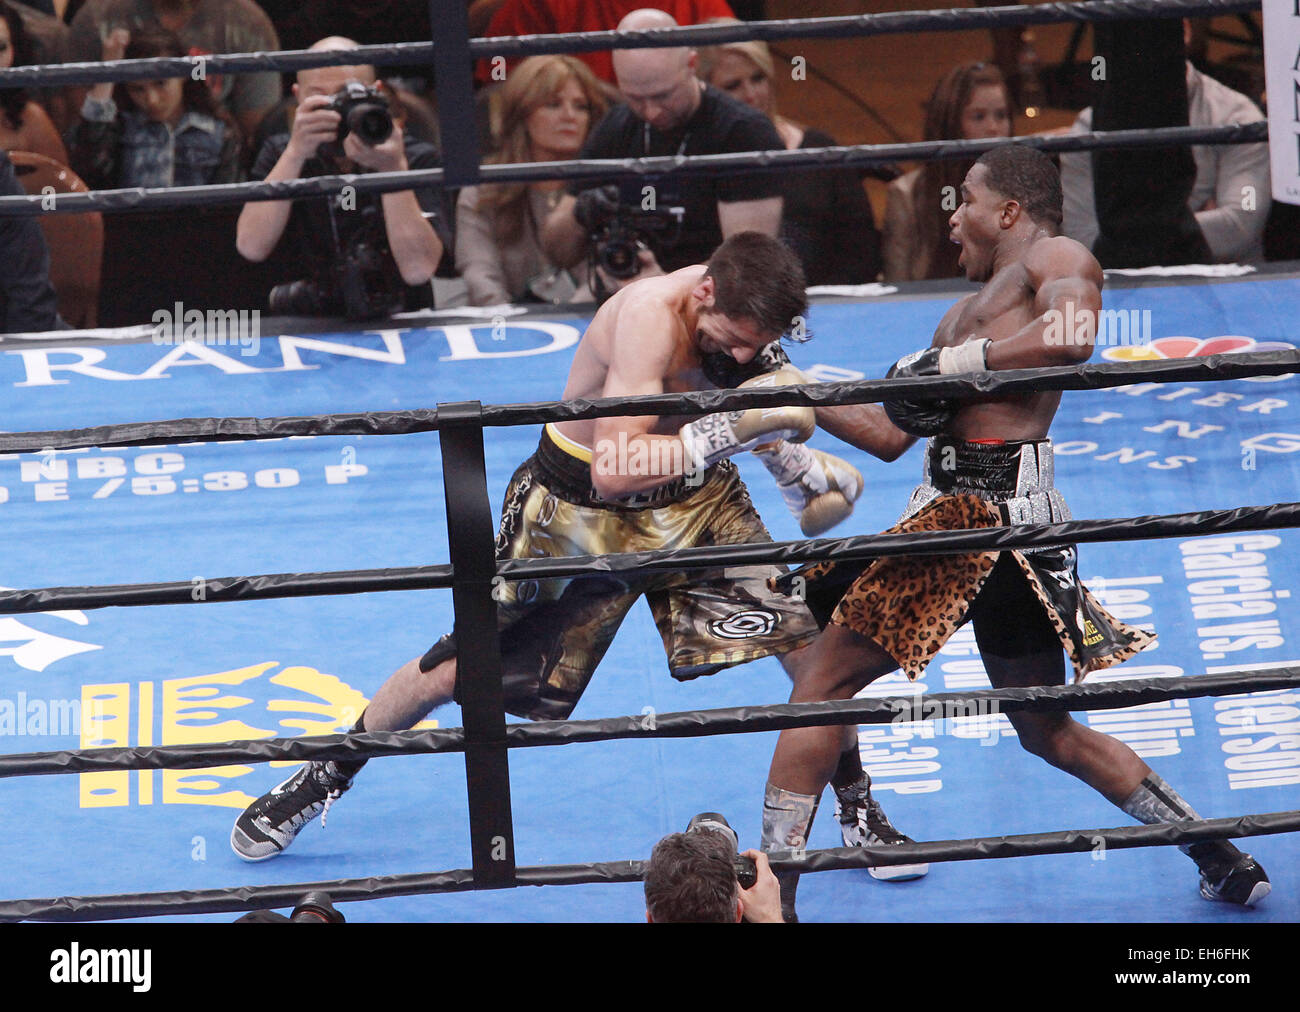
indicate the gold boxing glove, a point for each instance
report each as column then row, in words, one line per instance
column 819, row 488
column 707, row 440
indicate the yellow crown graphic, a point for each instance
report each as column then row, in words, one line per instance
column 201, row 709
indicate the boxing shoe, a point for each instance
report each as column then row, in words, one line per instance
column 863, row 823
column 270, row 823
column 1231, row 877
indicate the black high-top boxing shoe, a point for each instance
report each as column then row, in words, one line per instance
column 863, row 823
column 270, row 823
column 1228, row 875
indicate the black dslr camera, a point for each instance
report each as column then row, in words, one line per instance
column 363, row 110
column 712, row 822
column 619, row 232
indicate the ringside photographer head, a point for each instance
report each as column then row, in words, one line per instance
column 697, row 877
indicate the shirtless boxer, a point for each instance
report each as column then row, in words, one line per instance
column 989, row 463
column 583, row 493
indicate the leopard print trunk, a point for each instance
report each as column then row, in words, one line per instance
column 911, row 604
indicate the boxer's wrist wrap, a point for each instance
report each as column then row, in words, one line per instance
column 707, row 440
column 787, row 461
column 969, row 357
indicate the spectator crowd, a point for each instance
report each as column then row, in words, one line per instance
column 544, row 242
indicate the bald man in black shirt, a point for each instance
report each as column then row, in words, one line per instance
column 667, row 110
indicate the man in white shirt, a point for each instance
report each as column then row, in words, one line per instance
column 1231, row 195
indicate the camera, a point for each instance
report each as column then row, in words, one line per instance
column 363, row 110
column 316, row 908
column 712, row 822
column 313, row 908
column 360, row 287
column 619, row 232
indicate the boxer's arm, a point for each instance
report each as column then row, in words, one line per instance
column 627, row 457
column 1067, row 283
column 867, row 427
column 641, row 351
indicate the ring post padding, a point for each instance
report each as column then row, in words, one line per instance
column 471, row 544
column 455, row 89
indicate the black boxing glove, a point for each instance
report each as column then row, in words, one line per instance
column 726, row 373
column 931, row 416
column 596, row 207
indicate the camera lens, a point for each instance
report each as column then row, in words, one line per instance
column 371, row 123
column 712, row 822
column 296, row 298
column 316, row 908
column 619, row 258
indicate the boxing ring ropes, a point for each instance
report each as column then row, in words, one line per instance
column 486, row 738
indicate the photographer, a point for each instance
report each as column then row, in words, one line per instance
column 363, row 253
column 667, row 111
column 695, row 878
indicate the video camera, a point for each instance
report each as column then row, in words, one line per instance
column 619, row 232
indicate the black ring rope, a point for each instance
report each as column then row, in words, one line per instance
column 262, row 587
column 862, row 25
column 685, row 724
column 274, row 586
column 1002, row 382
column 952, row 542
column 216, row 901
column 888, row 23
column 861, row 156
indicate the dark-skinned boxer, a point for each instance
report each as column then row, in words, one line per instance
column 989, row 463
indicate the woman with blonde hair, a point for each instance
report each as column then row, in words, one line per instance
column 826, row 218
column 547, row 107
column 969, row 102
